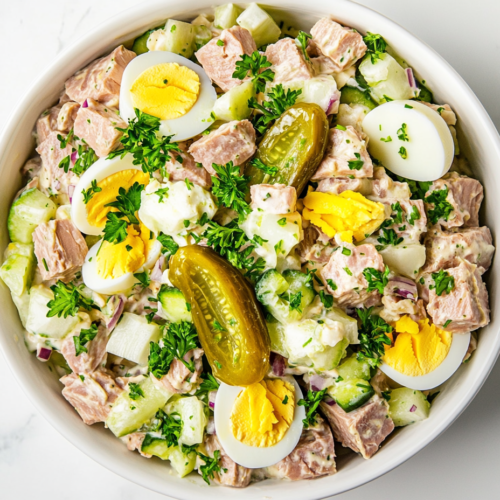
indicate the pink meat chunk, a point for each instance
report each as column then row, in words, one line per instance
column 362, row 429
column 315, row 246
column 409, row 220
column 67, row 116
column 97, row 124
column 344, row 148
column 384, row 189
column 466, row 306
column 91, row 394
column 219, row 61
column 134, row 442
column 233, row 141
column 343, row 275
column 314, row 455
column 47, row 123
column 446, row 249
column 337, row 185
column 273, row 198
column 51, row 152
column 231, row 473
column 179, row 376
column 101, row 79
column 188, row 169
column 447, row 114
column 288, row 62
column 323, row 65
column 86, row 362
column 344, row 46
column 465, row 196
column 60, row 249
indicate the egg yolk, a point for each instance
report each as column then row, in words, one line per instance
column 350, row 214
column 263, row 412
column 96, row 209
column 419, row 348
column 167, row 90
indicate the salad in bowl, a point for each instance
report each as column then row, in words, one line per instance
column 243, row 246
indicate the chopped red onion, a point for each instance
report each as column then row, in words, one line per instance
column 413, row 408
column 332, row 102
column 74, row 156
column 403, row 287
column 211, row 399
column 157, row 272
column 85, row 104
column 117, row 314
column 278, row 364
column 43, row 353
column 329, row 401
column 411, row 80
column 317, row 383
column 71, row 192
column 211, row 426
column 57, row 185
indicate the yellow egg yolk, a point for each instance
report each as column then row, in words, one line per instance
column 419, row 348
column 263, row 412
column 96, row 209
column 167, row 90
column 350, row 214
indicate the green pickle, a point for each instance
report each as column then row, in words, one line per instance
column 226, row 313
column 295, row 144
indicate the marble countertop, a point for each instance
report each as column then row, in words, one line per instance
column 35, row 461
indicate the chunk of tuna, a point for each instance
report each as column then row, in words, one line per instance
column 179, row 376
column 219, row 61
column 446, row 249
column 465, row 196
column 91, row 394
column 233, row 141
column 89, row 361
column 447, row 114
column 466, row 306
column 32, row 167
column 346, row 155
column 67, row 116
column 101, row 79
column 231, row 473
column 362, row 429
column 288, row 62
column 273, row 198
column 353, row 115
column 343, row 275
column 60, row 249
column 395, row 307
column 97, row 124
column 314, row 455
column 315, row 247
column 408, row 220
column 187, row 169
column 337, row 185
column 344, row 46
column 384, row 189
column 47, row 123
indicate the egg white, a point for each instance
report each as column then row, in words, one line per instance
column 452, row 362
column 101, row 169
column 196, row 120
column 250, row 456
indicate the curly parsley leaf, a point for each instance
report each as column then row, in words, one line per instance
column 211, row 466
column 67, row 301
column 443, row 282
column 89, row 193
column 372, row 336
column 207, row 385
column 376, row 46
column 311, row 403
column 135, row 391
column 356, row 164
column 377, row 280
column 442, row 208
column 168, row 245
column 115, row 230
column 85, row 336
column 326, row 299
column 414, row 215
column 388, row 237
column 302, row 41
column 272, row 171
column 255, row 65
column 169, row 426
column 143, row 278
column 128, row 202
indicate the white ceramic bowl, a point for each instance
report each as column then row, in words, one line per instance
column 479, row 140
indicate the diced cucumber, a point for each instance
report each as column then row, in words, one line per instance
column 350, row 324
column 183, row 463
column 156, row 446
column 202, row 35
column 260, row 24
column 299, row 282
column 277, row 335
column 194, row 420
column 330, row 357
column 22, row 303
column 131, row 337
column 179, row 38
column 353, row 368
column 408, row 406
column 352, row 95
column 17, row 272
column 233, row 105
column 38, row 322
column 386, row 78
column 27, row 212
column 226, row 15
column 19, row 249
column 173, row 304
column 140, row 43
column 351, row 394
column 404, row 259
column 127, row 415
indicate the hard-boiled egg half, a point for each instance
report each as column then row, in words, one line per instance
column 261, row 424
column 410, row 139
column 423, row 356
column 171, row 88
column 109, row 268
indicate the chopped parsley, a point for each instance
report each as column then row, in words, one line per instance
column 442, row 207
column 414, row 215
column 85, row 336
column 403, row 134
column 377, row 280
column 168, row 245
column 220, row 43
column 208, row 384
column 254, row 65
column 348, row 271
column 135, row 391
column 295, row 302
column 447, row 323
column 301, row 41
column 331, row 284
column 218, row 327
column 311, row 403
column 346, row 251
column 443, row 282
column 388, row 237
column 91, row 191
column 326, row 299
column 356, row 164
column 282, row 222
column 285, row 399
column 387, row 139
column 67, row 301
column 143, row 278
column 403, row 153
column 211, row 466
column 169, row 426
column 376, row 46
column 161, row 193
column 372, row 337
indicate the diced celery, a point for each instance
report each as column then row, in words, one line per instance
column 260, row 24
column 131, row 337
column 226, row 15
column 127, row 415
column 194, row 420
column 408, row 406
column 233, row 105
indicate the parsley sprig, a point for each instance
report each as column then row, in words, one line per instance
column 169, row 426
column 85, row 336
column 311, row 403
column 256, row 65
column 89, row 193
column 142, row 140
column 356, row 164
column 279, row 100
column 85, row 155
column 377, row 280
column 207, row 385
column 168, row 245
column 443, row 282
column 302, row 41
column 67, row 301
column 388, row 237
column 442, row 207
column 211, row 466
column 376, row 46
column 372, row 336
column 135, row 391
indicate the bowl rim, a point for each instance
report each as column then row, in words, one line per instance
column 159, row 8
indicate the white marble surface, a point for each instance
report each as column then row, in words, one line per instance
column 35, row 461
